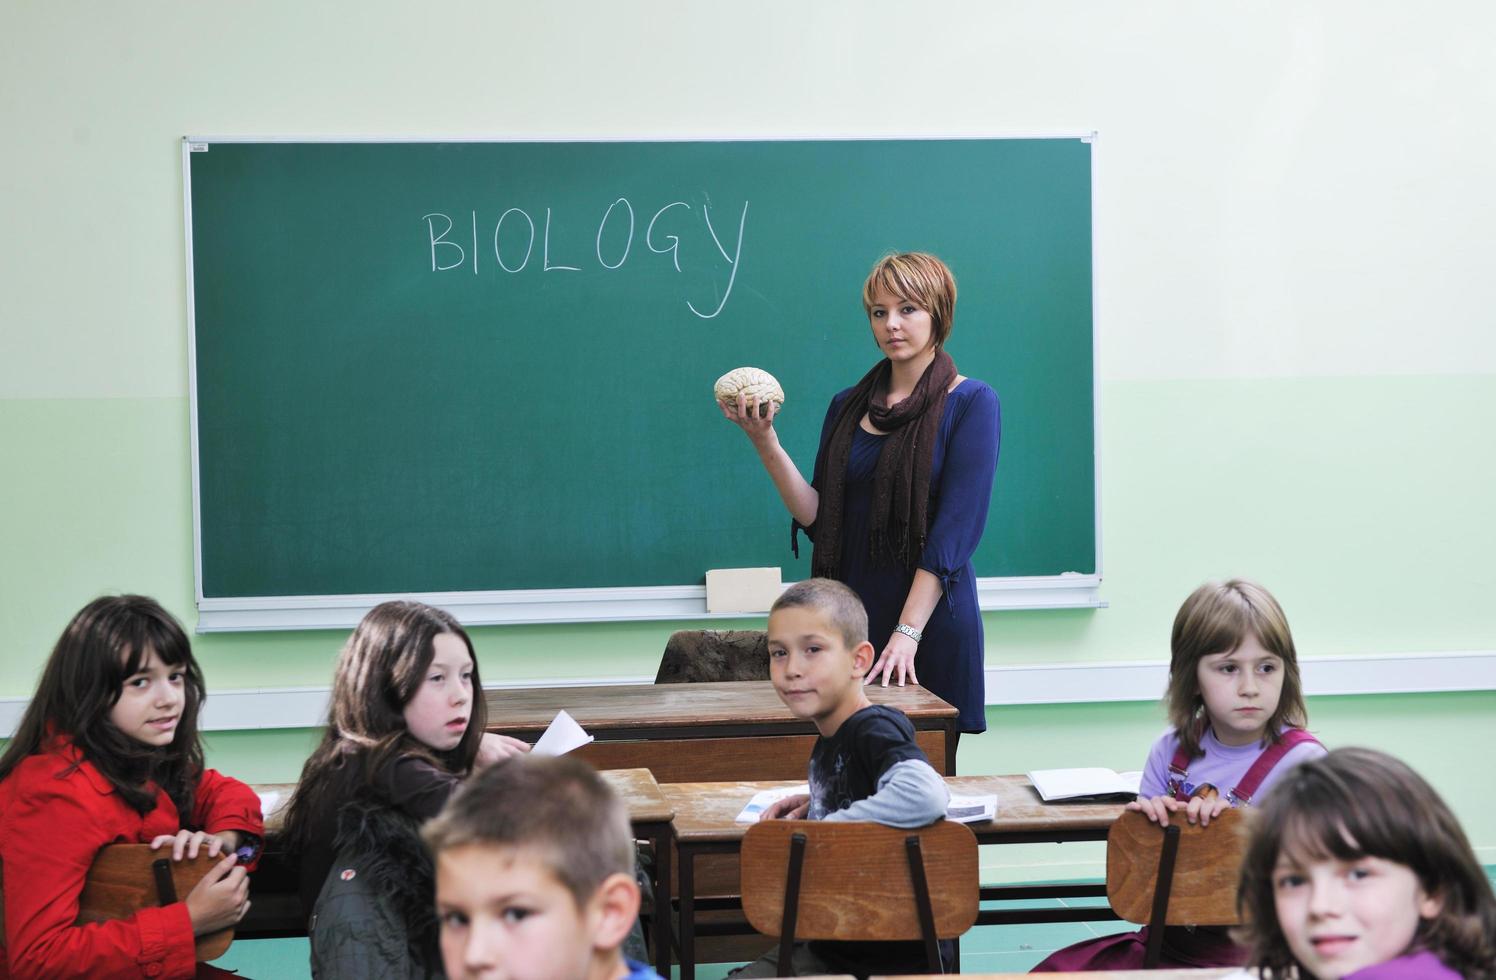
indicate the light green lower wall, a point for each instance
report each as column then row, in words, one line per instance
column 1361, row 502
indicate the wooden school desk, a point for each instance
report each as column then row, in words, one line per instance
column 725, row 730
column 705, row 823
column 275, row 906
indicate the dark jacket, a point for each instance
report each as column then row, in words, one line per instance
column 375, row 917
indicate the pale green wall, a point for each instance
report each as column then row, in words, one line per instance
column 1298, row 370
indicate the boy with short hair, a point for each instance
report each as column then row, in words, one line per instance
column 534, row 875
column 865, row 765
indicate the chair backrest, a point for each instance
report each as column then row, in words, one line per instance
column 701, row 656
column 856, row 881
column 1200, row 887
column 126, row 878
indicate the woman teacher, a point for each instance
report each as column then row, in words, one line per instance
column 898, row 497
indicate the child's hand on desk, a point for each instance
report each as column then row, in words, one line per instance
column 187, row 843
column 789, row 808
column 496, row 748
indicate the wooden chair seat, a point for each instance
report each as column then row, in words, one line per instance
column 1182, row 875
column 860, row 881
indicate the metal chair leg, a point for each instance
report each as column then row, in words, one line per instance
column 922, row 901
column 1161, row 888
column 166, row 889
column 791, row 905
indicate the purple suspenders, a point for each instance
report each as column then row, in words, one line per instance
column 1243, row 792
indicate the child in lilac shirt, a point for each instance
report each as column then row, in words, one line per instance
column 1237, row 712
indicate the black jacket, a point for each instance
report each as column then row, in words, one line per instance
column 375, row 916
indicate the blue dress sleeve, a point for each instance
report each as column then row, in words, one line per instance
column 796, row 527
column 965, row 487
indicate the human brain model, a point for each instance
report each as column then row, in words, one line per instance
column 754, row 384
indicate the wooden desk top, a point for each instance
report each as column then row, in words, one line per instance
column 637, row 787
column 276, row 818
column 1020, row 809
column 641, row 794
column 622, row 706
column 706, row 812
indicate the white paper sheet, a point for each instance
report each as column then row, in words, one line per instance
column 563, row 735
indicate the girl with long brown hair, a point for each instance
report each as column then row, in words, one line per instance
column 405, row 726
column 108, row 752
column 1358, row 869
column 1237, row 717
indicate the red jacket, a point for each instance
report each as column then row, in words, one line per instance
column 52, row 825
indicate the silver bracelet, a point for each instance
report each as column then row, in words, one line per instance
column 909, row 631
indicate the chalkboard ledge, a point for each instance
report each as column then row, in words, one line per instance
column 680, row 602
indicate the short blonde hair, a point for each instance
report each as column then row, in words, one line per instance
column 556, row 806
column 832, row 599
column 922, row 278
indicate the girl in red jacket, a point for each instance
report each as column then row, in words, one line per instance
column 108, row 752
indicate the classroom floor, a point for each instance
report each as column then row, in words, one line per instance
column 1001, row 949
column 988, row 949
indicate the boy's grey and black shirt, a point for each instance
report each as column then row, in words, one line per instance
column 872, row 769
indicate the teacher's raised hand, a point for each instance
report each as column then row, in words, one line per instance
column 755, row 418
column 750, row 398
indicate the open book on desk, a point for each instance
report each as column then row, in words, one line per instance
column 972, row 809
column 1086, row 785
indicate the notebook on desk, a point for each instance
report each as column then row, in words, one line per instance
column 1089, row 785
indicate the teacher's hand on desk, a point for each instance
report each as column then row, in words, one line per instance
column 897, row 659
column 496, row 748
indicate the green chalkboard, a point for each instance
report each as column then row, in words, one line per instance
column 487, row 366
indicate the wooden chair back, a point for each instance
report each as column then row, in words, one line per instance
column 705, row 656
column 1184, row 874
column 125, row 878
column 860, row 881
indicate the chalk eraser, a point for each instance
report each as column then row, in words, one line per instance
column 745, row 590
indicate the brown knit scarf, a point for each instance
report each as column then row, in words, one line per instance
column 901, row 483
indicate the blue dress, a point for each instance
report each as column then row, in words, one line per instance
column 950, row 658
